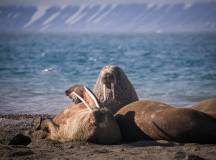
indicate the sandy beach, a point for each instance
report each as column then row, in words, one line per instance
column 16, row 142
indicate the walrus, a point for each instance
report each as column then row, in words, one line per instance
column 112, row 88
column 85, row 121
column 207, row 106
column 159, row 121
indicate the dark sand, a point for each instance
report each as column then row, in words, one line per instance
column 12, row 125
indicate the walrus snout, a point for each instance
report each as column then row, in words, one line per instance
column 109, row 81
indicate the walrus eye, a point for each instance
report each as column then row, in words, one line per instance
column 108, row 78
column 67, row 92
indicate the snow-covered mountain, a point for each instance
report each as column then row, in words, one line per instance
column 110, row 18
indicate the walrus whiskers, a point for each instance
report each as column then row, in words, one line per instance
column 84, row 102
column 93, row 98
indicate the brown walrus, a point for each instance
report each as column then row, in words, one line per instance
column 207, row 106
column 112, row 88
column 158, row 121
column 85, row 121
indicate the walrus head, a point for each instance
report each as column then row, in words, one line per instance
column 78, row 89
column 113, row 89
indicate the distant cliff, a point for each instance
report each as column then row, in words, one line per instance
column 110, row 18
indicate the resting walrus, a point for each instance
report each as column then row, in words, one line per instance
column 207, row 106
column 158, row 121
column 112, row 88
column 86, row 121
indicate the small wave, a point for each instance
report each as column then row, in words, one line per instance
column 50, row 69
column 43, row 54
column 92, row 59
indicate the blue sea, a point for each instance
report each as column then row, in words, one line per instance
column 36, row 68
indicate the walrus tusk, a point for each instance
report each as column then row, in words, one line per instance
column 84, row 102
column 92, row 96
column 113, row 90
column 104, row 92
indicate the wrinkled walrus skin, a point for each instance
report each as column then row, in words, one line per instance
column 86, row 121
column 158, row 121
column 207, row 106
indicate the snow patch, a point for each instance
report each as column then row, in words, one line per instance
column 45, row 27
column 188, row 5
column 41, row 10
column 78, row 18
column 150, row 5
column 160, row 5
column 51, row 18
column 98, row 12
column 16, row 15
column 105, row 14
column 74, row 16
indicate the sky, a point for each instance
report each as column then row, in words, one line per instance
column 81, row 2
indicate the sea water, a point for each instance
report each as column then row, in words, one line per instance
column 36, row 68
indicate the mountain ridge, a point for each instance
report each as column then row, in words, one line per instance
column 110, row 18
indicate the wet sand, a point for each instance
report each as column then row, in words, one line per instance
column 16, row 127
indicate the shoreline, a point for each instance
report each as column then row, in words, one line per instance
column 12, row 125
column 24, row 116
